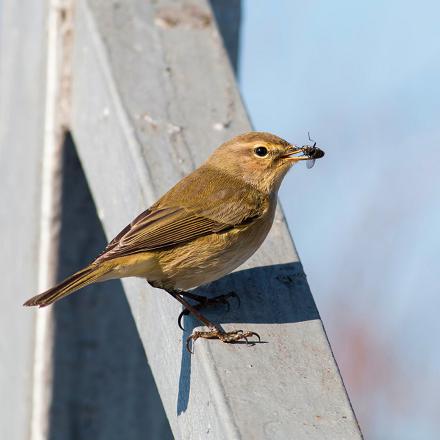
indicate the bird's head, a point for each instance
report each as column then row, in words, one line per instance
column 261, row 159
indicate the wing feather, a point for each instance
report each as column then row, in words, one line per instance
column 161, row 230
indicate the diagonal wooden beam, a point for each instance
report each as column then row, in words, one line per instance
column 152, row 95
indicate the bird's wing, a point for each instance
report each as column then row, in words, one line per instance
column 162, row 228
column 173, row 220
column 158, row 229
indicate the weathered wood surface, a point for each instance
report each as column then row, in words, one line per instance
column 22, row 91
column 152, row 97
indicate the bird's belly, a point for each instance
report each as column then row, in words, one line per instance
column 210, row 257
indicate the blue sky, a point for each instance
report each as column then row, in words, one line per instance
column 364, row 79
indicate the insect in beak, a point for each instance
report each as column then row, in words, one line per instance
column 309, row 153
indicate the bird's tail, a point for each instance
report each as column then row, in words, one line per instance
column 80, row 279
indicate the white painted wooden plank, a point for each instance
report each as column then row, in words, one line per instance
column 22, row 90
column 152, row 97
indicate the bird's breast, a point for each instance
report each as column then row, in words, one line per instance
column 212, row 256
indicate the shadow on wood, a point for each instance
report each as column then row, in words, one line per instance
column 228, row 17
column 273, row 294
column 103, row 386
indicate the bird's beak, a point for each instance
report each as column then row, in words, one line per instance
column 295, row 154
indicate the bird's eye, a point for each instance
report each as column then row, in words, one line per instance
column 261, row 151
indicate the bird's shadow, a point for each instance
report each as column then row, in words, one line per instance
column 273, row 294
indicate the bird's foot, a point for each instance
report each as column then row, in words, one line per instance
column 204, row 302
column 217, row 333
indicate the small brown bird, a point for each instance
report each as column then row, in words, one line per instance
column 201, row 229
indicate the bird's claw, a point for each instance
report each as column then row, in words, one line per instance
column 214, row 333
column 183, row 313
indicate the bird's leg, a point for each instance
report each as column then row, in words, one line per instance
column 220, row 299
column 214, row 332
column 204, row 301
